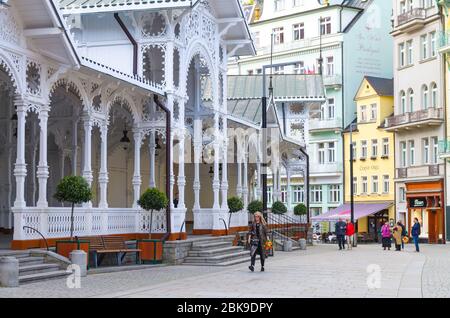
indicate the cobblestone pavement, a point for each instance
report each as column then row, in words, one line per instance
column 321, row 271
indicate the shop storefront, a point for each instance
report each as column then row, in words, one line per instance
column 425, row 201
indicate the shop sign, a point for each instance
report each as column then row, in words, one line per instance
column 417, row 202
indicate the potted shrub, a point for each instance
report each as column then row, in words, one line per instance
column 278, row 207
column 300, row 209
column 73, row 190
column 152, row 200
column 255, row 206
column 235, row 204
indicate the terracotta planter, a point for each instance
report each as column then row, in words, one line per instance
column 152, row 250
column 65, row 247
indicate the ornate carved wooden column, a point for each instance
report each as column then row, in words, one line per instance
column 137, row 180
column 152, row 152
column 20, row 169
column 42, row 172
column 103, row 177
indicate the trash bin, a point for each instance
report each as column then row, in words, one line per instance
column 287, row 246
column 302, row 243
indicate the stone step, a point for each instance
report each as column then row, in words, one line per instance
column 243, row 259
column 215, row 252
column 212, row 239
column 30, row 260
column 210, row 246
column 42, row 276
column 217, row 259
column 16, row 254
column 38, row 268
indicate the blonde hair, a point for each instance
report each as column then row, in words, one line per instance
column 261, row 217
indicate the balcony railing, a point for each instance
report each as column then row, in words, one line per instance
column 421, row 171
column 325, row 124
column 326, row 168
column 332, row 80
column 415, row 118
column 416, row 13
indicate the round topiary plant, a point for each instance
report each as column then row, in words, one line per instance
column 255, row 206
column 278, row 207
column 300, row 209
column 153, row 200
column 235, row 204
column 75, row 190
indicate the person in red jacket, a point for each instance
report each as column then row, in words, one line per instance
column 349, row 234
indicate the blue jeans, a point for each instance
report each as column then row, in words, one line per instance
column 416, row 242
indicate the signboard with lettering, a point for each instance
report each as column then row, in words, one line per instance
column 418, row 202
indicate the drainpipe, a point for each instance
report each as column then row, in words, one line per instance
column 168, row 162
column 132, row 40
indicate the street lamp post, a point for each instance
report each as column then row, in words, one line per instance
column 352, row 190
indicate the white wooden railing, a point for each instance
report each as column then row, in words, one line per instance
column 55, row 222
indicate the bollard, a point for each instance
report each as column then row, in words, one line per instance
column 9, row 272
column 78, row 257
column 302, row 243
column 287, row 246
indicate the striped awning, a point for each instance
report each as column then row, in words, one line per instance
column 343, row 212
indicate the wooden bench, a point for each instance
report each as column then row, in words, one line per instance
column 102, row 245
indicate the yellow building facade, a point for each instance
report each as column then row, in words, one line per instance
column 373, row 156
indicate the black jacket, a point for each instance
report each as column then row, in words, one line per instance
column 341, row 227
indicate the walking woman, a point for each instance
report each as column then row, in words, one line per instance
column 386, row 236
column 257, row 240
column 397, row 234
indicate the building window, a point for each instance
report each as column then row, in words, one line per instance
column 278, row 35
column 325, row 25
column 331, row 108
column 363, row 149
column 330, row 66
column 403, row 161
column 424, row 97
column 354, row 151
column 298, row 3
column 259, row 71
column 321, row 153
column 409, row 52
column 435, row 150
column 412, row 153
column 299, row 68
column 426, row 150
column 373, row 112
column 401, row 55
column 424, row 47
column 364, row 184
column 334, row 195
column 433, row 43
column 363, row 113
column 403, row 102
column 279, row 5
column 269, row 195
column 374, row 148
column 411, row 100
column 331, row 152
column 402, row 196
column 298, row 195
column 316, row 194
column 385, row 147
column 374, row 184
column 256, row 39
column 284, row 194
column 299, row 31
column 278, row 70
column 434, row 95
column 386, row 184
column 355, row 185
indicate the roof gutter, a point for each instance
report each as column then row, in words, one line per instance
column 132, row 40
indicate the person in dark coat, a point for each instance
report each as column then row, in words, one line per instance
column 404, row 233
column 415, row 232
column 257, row 240
column 340, row 229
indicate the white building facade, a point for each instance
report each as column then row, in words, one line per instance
column 83, row 90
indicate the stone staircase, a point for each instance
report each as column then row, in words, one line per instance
column 36, row 266
column 216, row 251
